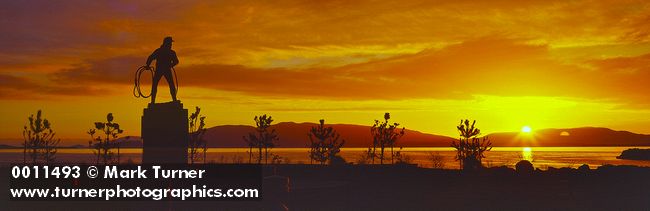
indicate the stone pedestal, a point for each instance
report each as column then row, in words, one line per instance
column 165, row 134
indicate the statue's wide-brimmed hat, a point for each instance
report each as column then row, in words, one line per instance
column 168, row 40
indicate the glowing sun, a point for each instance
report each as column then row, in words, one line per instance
column 526, row 129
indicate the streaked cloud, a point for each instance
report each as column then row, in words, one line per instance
column 486, row 66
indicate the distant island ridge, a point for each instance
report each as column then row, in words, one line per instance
column 294, row 135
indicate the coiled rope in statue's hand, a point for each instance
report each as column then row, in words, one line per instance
column 137, row 92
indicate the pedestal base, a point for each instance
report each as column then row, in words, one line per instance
column 165, row 134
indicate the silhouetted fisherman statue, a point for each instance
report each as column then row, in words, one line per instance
column 165, row 134
column 165, row 60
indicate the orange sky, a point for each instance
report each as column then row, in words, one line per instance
column 504, row 63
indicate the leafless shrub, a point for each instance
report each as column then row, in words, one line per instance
column 437, row 160
column 402, row 158
column 365, row 157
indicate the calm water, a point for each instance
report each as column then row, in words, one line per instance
column 541, row 157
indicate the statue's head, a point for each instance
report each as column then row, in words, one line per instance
column 167, row 42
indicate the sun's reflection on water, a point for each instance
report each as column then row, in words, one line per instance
column 527, row 154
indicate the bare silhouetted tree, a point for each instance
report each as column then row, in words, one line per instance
column 402, row 158
column 366, row 156
column 324, row 143
column 385, row 135
column 263, row 138
column 39, row 142
column 104, row 146
column 197, row 124
column 251, row 145
column 470, row 148
column 437, row 160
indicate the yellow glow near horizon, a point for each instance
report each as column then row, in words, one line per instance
column 527, row 137
column 73, row 116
